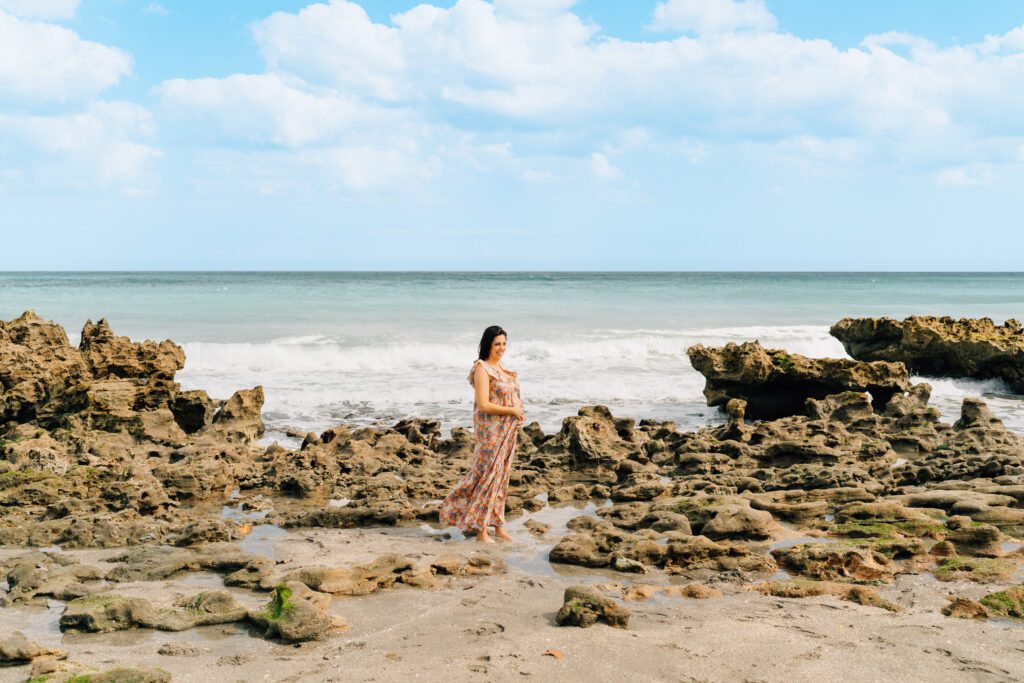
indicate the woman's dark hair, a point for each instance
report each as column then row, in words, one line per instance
column 485, row 341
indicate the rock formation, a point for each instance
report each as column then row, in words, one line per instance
column 940, row 347
column 99, row 448
column 775, row 383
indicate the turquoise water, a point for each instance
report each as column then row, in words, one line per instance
column 365, row 347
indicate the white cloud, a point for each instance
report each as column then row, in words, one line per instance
column 532, row 9
column 965, row 176
column 265, row 109
column 335, row 44
column 41, row 9
column 156, row 8
column 336, row 168
column 602, row 168
column 453, row 80
column 99, row 148
column 56, row 135
column 1013, row 41
column 46, row 63
column 712, row 16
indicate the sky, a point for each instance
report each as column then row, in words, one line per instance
column 512, row 135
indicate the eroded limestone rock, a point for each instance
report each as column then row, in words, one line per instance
column 942, row 347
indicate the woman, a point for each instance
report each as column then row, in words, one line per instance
column 478, row 500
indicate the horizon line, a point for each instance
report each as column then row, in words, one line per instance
column 524, row 272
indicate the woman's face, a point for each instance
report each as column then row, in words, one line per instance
column 498, row 347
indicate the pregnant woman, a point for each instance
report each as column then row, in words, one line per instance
column 478, row 500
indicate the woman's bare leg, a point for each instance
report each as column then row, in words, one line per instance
column 501, row 534
column 482, row 537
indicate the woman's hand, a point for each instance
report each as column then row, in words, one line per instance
column 517, row 412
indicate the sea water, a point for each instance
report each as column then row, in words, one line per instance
column 372, row 348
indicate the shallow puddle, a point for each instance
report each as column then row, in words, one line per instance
column 41, row 624
column 262, row 539
column 203, row 580
column 799, row 540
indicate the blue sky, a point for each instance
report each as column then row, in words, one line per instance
column 518, row 134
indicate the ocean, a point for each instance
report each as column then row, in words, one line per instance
column 372, row 348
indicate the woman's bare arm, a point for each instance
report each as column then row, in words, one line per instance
column 481, row 387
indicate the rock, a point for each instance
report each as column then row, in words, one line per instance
column 1008, row 603
column 697, row 591
column 384, row 572
column 775, row 383
column 975, row 413
column 537, row 527
column 256, row 573
column 563, row 494
column 483, row 565
column 665, row 520
column 239, row 419
column 799, row 512
column 1009, row 520
column 595, row 439
column 802, row 588
column 847, row 407
column 150, row 563
column 941, row 347
column 738, row 521
column 965, row 608
column 123, row 675
column 291, row 618
column 208, row 531
column 583, row 606
column 579, row 549
column 110, row 356
column 978, row 569
column 15, row 648
column 821, row 561
column 37, row 363
column 35, row 576
column 639, row 592
column 103, row 612
column 624, row 564
column 983, row 540
column 420, row 431
column 193, row 410
column 179, row 650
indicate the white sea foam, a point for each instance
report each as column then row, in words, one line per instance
column 314, row 381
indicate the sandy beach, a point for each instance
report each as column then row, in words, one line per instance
column 500, row 627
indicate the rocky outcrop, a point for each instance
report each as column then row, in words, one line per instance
column 105, row 612
column 802, row 588
column 775, row 383
column 36, row 577
column 37, row 363
column 15, row 649
column 384, row 572
column 109, row 356
column 584, row 606
column 941, row 347
column 1008, row 603
column 296, row 614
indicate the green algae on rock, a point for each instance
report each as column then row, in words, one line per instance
column 1008, row 603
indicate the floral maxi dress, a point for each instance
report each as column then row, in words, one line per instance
column 478, row 500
